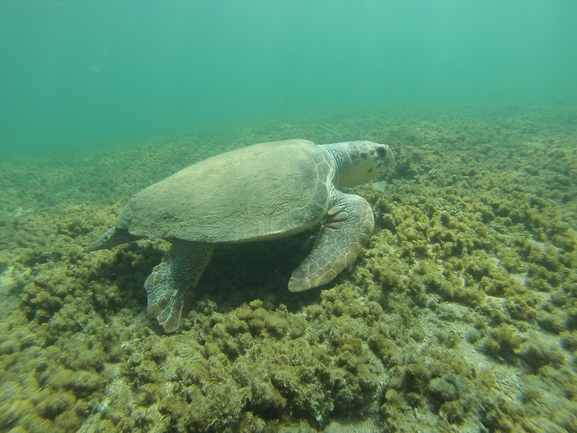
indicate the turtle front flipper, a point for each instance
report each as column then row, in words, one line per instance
column 347, row 229
column 171, row 283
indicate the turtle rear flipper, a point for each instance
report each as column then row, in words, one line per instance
column 171, row 283
column 347, row 229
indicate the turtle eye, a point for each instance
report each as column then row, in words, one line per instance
column 383, row 151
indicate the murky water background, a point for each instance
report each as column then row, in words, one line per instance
column 87, row 75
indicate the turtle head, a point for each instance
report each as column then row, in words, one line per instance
column 360, row 161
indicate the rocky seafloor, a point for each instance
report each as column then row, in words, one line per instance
column 460, row 315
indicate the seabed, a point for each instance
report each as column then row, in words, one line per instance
column 460, row 315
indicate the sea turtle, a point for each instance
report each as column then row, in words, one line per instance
column 260, row 192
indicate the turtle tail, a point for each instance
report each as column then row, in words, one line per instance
column 110, row 238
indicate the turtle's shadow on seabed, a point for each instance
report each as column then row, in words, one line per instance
column 242, row 273
column 237, row 274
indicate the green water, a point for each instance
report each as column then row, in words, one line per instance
column 88, row 74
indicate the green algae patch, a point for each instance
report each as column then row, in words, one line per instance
column 460, row 314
